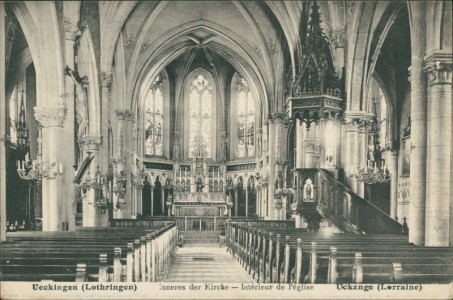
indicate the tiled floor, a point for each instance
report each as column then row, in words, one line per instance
column 206, row 263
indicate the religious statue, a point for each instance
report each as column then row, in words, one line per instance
column 199, row 185
column 176, row 152
column 81, row 109
column 259, row 142
column 224, row 148
column 407, row 129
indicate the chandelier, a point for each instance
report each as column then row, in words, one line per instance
column 38, row 169
column 375, row 170
column 99, row 184
column 139, row 179
column 373, row 173
column 91, row 183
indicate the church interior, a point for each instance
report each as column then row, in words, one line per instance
column 310, row 140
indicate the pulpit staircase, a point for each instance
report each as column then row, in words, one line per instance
column 360, row 215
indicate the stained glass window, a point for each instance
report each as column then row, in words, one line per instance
column 154, row 119
column 200, row 110
column 245, row 105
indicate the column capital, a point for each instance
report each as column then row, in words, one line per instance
column 72, row 30
column 124, row 114
column 337, row 37
column 357, row 121
column 90, row 142
column 107, row 79
column 50, row 116
column 438, row 66
column 278, row 117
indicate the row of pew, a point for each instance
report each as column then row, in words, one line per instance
column 112, row 254
column 273, row 254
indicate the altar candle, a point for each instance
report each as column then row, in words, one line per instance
column 26, row 157
column 60, row 168
column 18, row 165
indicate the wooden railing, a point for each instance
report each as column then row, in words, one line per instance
column 340, row 202
column 189, row 223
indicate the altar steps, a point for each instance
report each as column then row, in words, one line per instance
column 200, row 237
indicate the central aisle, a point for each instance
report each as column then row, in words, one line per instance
column 206, row 263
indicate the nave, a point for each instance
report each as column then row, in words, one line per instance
column 282, row 141
column 202, row 263
column 246, row 251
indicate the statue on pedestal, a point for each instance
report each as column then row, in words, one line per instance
column 224, row 148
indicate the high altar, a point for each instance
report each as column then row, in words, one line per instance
column 199, row 189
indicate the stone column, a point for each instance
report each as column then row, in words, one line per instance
column 299, row 144
column 91, row 216
column 236, row 200
column 361, row 156
column 162, row 200
column 350, row 165
column 271, row 188
column 106, row 83
column 418, row 127
column 279, row 156
column 438, row 172
column 246, row 199
column 392, row 162
column 124, row 116
column 152, row 200
column 51, row 119
column 2, row 127
column 72, row 32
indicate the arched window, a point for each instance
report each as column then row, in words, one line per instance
column 245, row 109
column 154, row 120
column 200, row 116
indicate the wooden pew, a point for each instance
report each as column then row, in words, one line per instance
column 59, row 252
column 353, row 261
